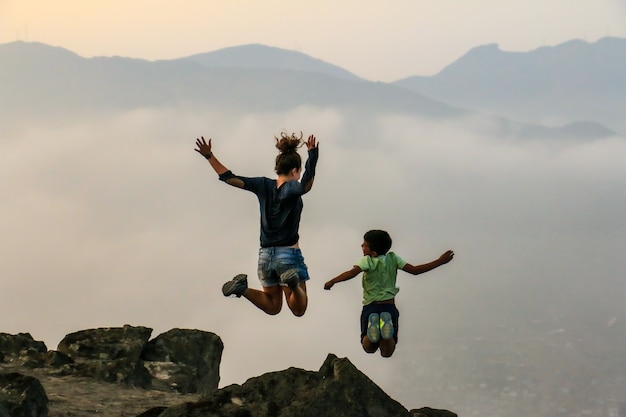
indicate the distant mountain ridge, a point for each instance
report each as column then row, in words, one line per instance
column 45, row 80
column 573, row 81
column 37, row 75
column 256, row 56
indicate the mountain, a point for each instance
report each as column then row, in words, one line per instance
column 257, row 56
column 42, row 80
column 573, row 81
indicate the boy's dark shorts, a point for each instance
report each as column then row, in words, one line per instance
column 379, row 308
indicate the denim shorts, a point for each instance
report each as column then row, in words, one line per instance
column 274, row 261
column 379, row 308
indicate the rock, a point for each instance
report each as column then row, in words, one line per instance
column 22, row 396
column 24, row 348
column 111, row 354
column 174, row 375
column 19, row 344
column 185, row 360
column 56, row 359
column 337, row 389
column 431, row 412
column 153, row 412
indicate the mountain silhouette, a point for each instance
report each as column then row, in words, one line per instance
column 573, row 81
column 256, row 56
column 46, row 81
column 45, row 78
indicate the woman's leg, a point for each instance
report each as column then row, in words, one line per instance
column 270, row 300
column 297, row 299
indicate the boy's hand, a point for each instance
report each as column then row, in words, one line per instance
column 446, row 257
column 328, row 285
column 204, row 148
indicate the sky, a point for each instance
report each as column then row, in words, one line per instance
column 379, row 41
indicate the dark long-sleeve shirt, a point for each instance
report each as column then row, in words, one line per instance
column 280, row 208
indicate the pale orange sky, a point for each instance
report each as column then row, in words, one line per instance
column 381, row 41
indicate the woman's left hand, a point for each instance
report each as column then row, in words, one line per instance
column 311, row 142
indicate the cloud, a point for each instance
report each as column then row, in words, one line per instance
column 119, row 221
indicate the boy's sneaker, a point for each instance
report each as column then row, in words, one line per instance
column 373, row 329
column 236, row 286
column 386, row 326
column 290, row 278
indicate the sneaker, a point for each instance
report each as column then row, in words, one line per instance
column 236, row 286
column 386, row 326
column 290, row 278
column 373, row 329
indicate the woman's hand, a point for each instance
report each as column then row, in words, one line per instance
column 311, row 142
column 204, row 148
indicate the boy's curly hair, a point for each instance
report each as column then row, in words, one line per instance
column 378, row 240
column 288, row 158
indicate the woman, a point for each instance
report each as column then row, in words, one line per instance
column 281, row 267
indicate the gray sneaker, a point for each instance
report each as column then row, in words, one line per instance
column 290, row 278
column 236, row 286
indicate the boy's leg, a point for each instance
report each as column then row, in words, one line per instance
column 386, row 325
column 390, row 318
column 387, row 347
column 368, row 345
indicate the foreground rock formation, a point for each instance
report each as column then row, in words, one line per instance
column 121, row 372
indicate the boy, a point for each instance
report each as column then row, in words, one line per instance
column 379, row 317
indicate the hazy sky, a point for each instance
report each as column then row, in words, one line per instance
column 380, row 41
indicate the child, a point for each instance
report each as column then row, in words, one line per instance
column 281, row 268
column 379, row 317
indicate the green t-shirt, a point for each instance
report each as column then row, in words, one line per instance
column 379, row 277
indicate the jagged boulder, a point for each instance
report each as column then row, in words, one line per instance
column 185, row 360
column 111, row 354
column 24, row 348
column 15, row 344
column 338, row 389
column 22, row 396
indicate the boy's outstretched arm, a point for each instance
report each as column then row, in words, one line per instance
column 420, row 269
column 344, row 276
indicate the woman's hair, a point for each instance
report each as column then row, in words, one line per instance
column 288, row 158
column 378, row 240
